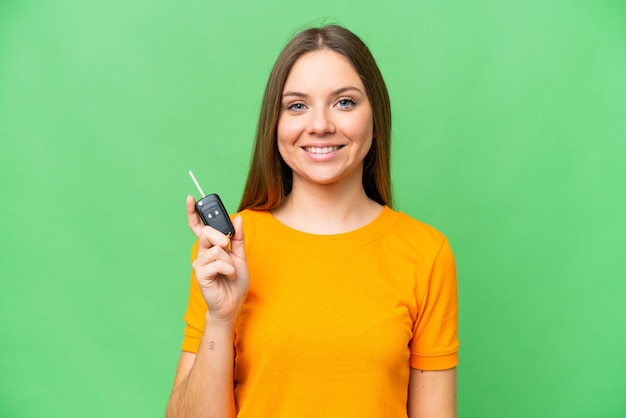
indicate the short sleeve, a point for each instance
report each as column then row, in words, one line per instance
column 435, row 343
column 195, row 316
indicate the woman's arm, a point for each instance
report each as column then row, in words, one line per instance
column 203, row 386
column 432, row 394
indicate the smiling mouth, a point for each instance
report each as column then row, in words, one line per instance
column 322, row 150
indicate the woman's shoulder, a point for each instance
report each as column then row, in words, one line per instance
column 254, row 215
column 415, row 230
column 256, row 219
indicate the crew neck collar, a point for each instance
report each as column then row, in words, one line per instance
column 367, row 233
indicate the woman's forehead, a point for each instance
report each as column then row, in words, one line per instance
column 322, row 68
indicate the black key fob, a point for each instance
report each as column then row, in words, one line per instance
column 213, row 213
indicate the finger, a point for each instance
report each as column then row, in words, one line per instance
column 193, row 220
column 207, row 273
column 237, row 241
column 213, row 261
column 213, row 254
column 210, row 236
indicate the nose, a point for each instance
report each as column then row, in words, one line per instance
column 321, row 122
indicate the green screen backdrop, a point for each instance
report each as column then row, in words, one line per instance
column 509, row 137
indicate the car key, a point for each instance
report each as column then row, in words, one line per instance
column 212, row 211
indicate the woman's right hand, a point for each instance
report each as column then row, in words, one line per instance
column 222, row 272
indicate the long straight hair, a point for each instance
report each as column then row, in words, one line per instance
column 270, row 179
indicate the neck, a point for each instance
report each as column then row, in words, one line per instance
column 327, row 209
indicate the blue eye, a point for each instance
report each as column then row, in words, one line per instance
column 346, row 103
column 297, row 106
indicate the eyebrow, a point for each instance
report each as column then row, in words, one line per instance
column 334, row 93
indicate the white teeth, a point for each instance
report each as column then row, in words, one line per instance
column 318, row 150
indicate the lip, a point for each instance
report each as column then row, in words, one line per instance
column 322, row 149
column 321, row 152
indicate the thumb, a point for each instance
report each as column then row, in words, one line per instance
column 236, row 242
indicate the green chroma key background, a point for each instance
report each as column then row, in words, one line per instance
column 509, row 136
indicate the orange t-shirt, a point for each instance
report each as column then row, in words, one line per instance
column 332, row 323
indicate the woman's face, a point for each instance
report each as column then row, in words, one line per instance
column 325, row 124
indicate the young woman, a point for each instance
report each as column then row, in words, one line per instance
column 325, row 302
